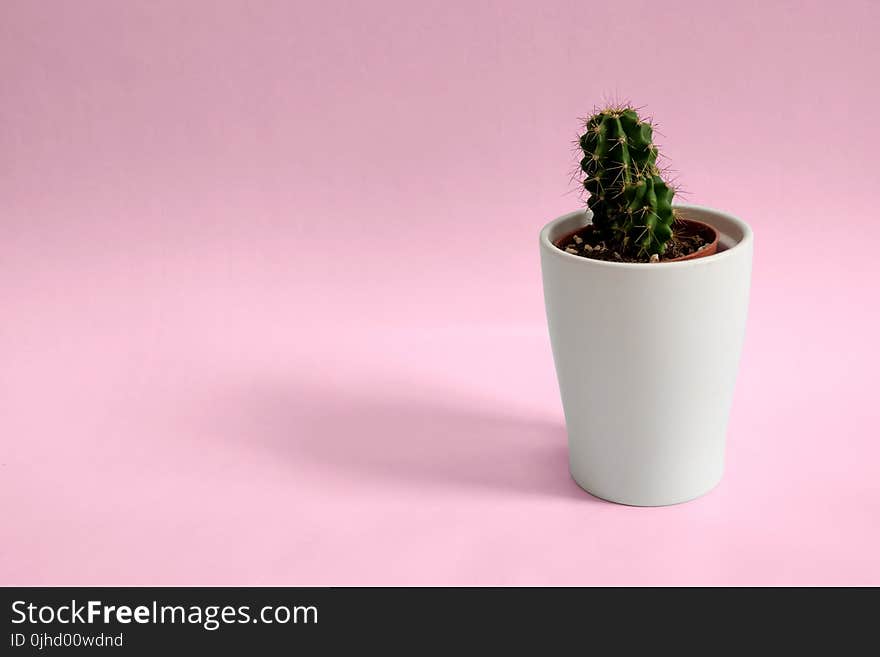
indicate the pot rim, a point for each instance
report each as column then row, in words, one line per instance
column 744, row 242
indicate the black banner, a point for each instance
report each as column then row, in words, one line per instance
column 241, row 620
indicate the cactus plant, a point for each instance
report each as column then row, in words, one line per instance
column 630, row 200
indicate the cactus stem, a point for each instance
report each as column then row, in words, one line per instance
column 625, row 181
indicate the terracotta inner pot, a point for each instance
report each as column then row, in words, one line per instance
column 683, row 227
column 704, row 230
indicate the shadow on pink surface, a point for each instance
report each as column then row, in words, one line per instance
column 407, row 444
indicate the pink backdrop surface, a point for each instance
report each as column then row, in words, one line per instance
column 270, row 304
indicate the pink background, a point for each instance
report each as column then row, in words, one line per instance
column 270, row 305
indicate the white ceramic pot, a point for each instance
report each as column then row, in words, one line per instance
column 646, row 357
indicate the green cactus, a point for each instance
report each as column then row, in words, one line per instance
column 631, row 203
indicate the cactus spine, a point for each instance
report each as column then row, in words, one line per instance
column 631, row 203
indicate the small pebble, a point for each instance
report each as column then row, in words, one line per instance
column 617, row 256
column 578, row 240
column 655, row 257
column 587, row 248
column 571, row 249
